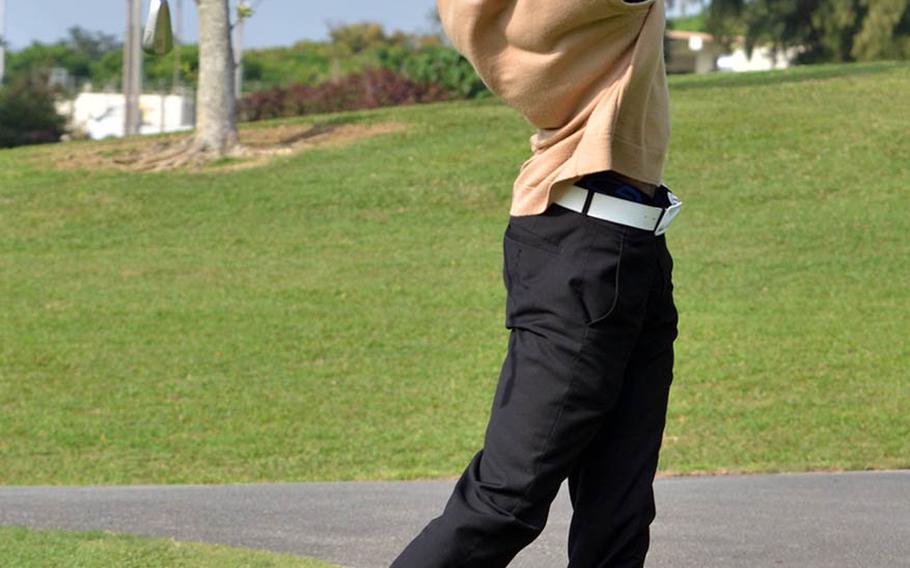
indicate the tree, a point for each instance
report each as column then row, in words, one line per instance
column 351, row 39
column 216, row 122
column 28, row 114
column 79, row 54
column 827, row 30
column 885, row 32
column 92, row 44
column 685, row 5
column 96, row 58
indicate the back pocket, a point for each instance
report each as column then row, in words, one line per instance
column 521, row 229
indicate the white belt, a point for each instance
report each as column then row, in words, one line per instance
column 622, row 211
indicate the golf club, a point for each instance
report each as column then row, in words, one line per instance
column 158, row 38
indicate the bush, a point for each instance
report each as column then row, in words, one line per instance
column 447, row 68
column 28, row 115
column 368, row 89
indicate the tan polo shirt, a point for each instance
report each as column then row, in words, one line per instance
column 588, row 74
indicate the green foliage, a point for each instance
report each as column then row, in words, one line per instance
column 351, row 49
column 306, row 63
column 400, row 75
column 697, row 23
column 98, row 59
column 355, row 48
column 244, row 12
column 157, row 72
column 447, row 68
column 356, row 38
column 885, row 32
column 27, row 113
column 81, row 54
column 827, row 30
column 108, row 71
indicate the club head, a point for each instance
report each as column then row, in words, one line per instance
column 158, row 38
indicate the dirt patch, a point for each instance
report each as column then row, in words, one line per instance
column 258, row 147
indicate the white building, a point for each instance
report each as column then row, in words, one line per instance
column 691, row 52
column 101, row 115
column 697, row 52
column 763, row 59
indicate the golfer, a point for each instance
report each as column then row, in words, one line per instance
column 582, row 394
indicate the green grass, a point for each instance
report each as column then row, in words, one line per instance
column 339, row 314
column 63, row 549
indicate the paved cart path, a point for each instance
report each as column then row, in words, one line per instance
column 808, row 520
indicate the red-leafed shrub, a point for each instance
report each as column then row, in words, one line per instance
column 369, row 89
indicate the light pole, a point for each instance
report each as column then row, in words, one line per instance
column 178, row 37
column 132, row 68
column 2, row 38
column 243, row 12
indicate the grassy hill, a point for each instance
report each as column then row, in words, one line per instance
column 339, row 313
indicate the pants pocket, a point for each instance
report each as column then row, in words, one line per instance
column 539, row 266
column 562, row 273
column 533, row 252
column 521, row 229
column 600, row 280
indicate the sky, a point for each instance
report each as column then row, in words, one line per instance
column 275, row 22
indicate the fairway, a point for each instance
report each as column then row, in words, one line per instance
column 339, row 314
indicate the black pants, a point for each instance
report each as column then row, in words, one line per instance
column 582, row 395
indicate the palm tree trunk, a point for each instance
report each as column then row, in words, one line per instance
column 216, row 122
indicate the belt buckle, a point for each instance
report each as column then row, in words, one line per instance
column 668, row 214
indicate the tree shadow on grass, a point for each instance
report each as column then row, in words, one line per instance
column 315, row 130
